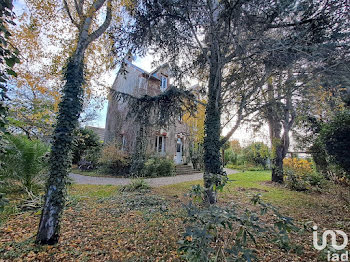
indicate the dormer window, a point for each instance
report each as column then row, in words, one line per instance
column 164, row 83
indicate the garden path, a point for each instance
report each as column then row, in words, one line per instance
column 153, row 182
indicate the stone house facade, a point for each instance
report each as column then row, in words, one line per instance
column 171, row 142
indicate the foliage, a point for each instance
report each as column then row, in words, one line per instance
column 136, row 184
column 335, row 137
column 37, row 90
column 257, row 153
column 158, row 167
column 114, row 161
column 195, row 122
column 230, row 157
column 164, row 108
column 218, row 233
column 86, row 144
column 25, row 163
column 299, row 166
column 196, row 155
column 300, row 176
column 235, row 146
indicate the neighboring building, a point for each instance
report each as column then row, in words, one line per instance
column 172, row 141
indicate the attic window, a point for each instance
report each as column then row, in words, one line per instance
column 164, row 83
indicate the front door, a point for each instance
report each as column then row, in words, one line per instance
column 178, row 159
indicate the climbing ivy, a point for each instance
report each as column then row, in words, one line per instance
column 8, row 58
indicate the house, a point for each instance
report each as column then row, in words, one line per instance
column 171, row 142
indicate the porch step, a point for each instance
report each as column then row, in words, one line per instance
column 185, row 170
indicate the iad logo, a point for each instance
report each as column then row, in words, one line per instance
column 334, row 244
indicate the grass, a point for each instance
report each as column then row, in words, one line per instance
column 102, row 223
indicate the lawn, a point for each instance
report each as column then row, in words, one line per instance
column 101, row 223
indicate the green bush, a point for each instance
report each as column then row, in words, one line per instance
column 336, row 140
column 257, row 154
column 230, row 157
column 85, row 143
column 159, row 167
column 114, row 161
column 25, row 163
column 228, row 233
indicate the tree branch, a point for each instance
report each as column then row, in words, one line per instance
column 105, row 24
column 96, row 6
column 69, row 14
column 79, row 8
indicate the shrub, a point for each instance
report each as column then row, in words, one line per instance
column 159, row 167
column 300, row 167
column 300, row 175
column 25, row 163
column 137, row 184
column 257, row 153
column 85, row 143
column 228, row 233
column 335, row 138
column 114, row 161
column 230, row 157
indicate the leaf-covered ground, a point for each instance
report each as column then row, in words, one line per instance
column 102, row 224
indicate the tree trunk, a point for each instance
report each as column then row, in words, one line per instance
column 212, row 162
column 69, row 111
column 277, row 164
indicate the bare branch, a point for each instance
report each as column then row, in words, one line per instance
column 105, row 24
column 79, row 8
column 96, row 6
column 69, row 14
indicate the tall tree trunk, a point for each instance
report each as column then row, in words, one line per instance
column 212, row 162
column 277, row 117
column 275, row 128
column 277, row 162
column 69, row 111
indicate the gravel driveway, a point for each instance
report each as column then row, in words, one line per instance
column 154, row 182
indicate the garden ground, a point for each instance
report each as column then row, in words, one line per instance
column 101, row 223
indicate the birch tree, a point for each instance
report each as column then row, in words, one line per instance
column 82, row 14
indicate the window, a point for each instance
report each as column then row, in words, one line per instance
column 164, row 83
column 159, row 145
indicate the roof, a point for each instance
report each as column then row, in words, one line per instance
column 149, row 74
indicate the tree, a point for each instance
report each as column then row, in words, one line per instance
column 45, row 37
column 8, row 58
column 212, row 40
column 70, row 107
